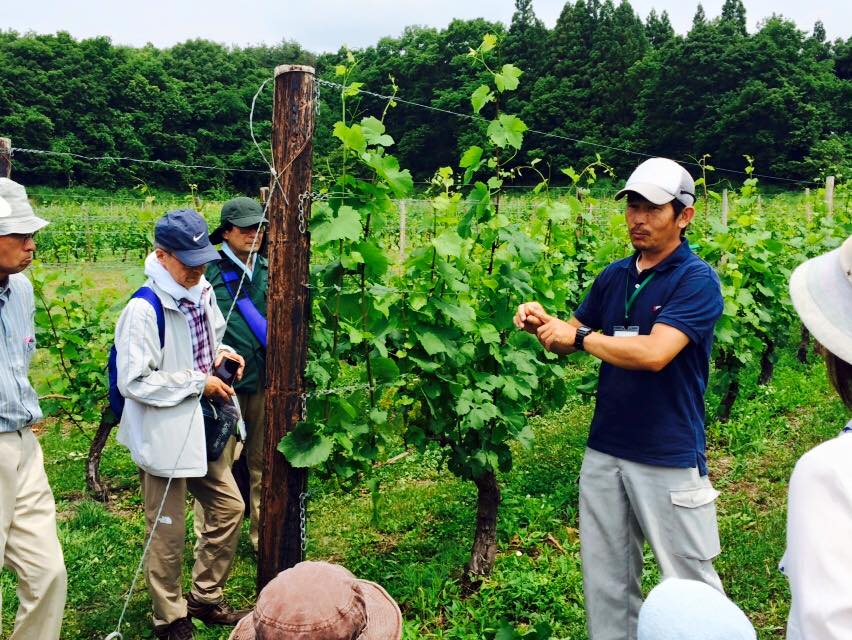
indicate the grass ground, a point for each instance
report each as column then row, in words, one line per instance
column 415, row 537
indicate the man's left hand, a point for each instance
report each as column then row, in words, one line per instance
column 236, row 357
column 557, row 336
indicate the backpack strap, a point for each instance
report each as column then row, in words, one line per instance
column 116, row 400
column 147, row 293
column 254, row 318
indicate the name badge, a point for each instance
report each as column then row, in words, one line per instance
column 625, row 332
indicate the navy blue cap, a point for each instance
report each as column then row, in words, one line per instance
column 184, row 233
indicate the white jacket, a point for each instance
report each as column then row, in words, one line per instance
column 161, row 388
column 818, row 561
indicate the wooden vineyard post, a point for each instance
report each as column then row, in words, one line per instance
column 284, row 488
column 809, row 210
column 403, row 221
column 264, row 195
column 829, row 196
column 5, row 158
column 725, row 209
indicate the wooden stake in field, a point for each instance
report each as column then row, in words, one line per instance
column 809, row 210
column 403, row 219
column 284, row 488
column 829, row 196
column 5, row 158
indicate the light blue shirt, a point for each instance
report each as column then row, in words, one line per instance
column 226, row 249
column 19, row 406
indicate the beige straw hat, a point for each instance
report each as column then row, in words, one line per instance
column 821, row 290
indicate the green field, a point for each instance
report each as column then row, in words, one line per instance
column 412, row 532
column 420, row 539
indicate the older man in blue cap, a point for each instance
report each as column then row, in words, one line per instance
column 162, row 377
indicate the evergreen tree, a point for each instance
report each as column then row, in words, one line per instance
column 658, row 29
column 699, row 19
column 734, row 17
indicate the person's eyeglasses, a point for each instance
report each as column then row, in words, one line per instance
column 23, row 237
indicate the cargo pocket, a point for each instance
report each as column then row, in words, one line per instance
column 694, row 531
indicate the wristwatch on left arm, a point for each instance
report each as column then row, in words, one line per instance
column 582, row 332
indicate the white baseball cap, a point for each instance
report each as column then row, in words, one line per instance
column 660, row 180
column 16, row 214
column 821, row 290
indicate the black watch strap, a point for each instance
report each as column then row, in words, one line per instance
column 582, row 332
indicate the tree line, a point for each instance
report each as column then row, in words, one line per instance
column 600, row 75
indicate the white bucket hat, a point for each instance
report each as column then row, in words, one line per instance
column 16, row 214
column 660, row 180
column 821, row 290
column 678, row 609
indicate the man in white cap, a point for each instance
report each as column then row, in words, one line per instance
column 650, row 318
column 28, row 541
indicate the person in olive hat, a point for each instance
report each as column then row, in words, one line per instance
column 241, row 273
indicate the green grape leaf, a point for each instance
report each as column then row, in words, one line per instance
column 352, row 137
column 373, row 130
column 508, row 78
column 471, row 157
column 432, row 343
column 346, row 226
column 304, row 446
column 507, row 131
column 449, row 243
column 479, row 98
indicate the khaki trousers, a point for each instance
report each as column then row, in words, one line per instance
column 253, row 408
column 223, row 508
column 623, row 504
column 29, row 545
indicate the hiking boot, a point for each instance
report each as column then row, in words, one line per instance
column 218, row 613
column 180, row 629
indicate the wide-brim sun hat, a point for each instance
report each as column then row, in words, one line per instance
column 660, row 180
column 239, row 212
column 821, row 290
column 679, row 609
column 321, row 601
column 16, row 213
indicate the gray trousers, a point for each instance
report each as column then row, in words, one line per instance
column 623, row 504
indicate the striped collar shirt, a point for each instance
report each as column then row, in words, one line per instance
column 19, row 406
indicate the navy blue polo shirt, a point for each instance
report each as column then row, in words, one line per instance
column 647, row 417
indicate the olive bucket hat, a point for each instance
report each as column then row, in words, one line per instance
column 239, row 212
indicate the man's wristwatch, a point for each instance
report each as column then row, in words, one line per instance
column 582, row 332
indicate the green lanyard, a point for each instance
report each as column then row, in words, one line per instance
column 628, row 303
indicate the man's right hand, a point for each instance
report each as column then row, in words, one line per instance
column 216, row 388
column 530, row 316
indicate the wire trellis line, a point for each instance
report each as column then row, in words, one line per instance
column 164, row 163
column 557, row 136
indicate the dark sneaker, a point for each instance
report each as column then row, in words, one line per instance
column 219, row 613
column 180, row 629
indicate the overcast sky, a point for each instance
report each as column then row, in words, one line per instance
column 325, row 25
